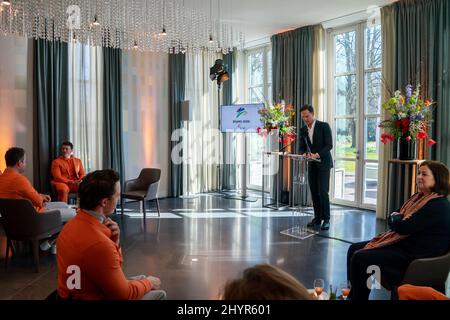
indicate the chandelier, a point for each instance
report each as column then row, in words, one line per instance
column 145, row 25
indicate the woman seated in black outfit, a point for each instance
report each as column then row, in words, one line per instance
column 421, row 229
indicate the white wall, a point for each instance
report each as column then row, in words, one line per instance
column 146, row 114
column 16, row 98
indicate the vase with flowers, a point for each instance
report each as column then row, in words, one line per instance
column 409, row 121
column 278, row 118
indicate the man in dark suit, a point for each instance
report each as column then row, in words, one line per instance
column 316, row 142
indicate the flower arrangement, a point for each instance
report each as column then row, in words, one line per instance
column 278, row 117
column 410, row 116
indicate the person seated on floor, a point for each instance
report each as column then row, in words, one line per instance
column 14, row 185
column 67, row 172
column 91, row 241
column 265, row 282
column 410, row 292
column 420, row 229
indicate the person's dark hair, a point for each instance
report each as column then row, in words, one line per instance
column 67, row 143
column 265, row 282
column 14, row 155
column 307, row 107
column 441, row 176
column 96, row 186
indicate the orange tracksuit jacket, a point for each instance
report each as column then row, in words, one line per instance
column 410, row 292
column 13, row 185
column 67, row 170
column 86, row 243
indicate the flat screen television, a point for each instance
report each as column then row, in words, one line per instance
column 240, row 117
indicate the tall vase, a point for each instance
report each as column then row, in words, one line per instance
column 406, row 150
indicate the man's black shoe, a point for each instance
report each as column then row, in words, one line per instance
column 314, row 223
column 325, row 225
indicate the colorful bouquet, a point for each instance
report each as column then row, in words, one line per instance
column 278, row 117
column 410, row 116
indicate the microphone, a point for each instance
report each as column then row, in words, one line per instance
column 304, row 133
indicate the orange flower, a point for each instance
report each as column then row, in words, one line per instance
column 402, row 99
column 427, row 102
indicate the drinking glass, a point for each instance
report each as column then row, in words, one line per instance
column 319, row 284
column 345, row 289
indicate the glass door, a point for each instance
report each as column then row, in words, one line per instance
column 355, row 113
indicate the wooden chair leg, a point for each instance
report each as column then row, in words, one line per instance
column 35, row 248
column 157, row 206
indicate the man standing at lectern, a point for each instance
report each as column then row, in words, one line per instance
column 316, row 142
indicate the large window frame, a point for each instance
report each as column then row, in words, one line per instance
column 361, row 116
column 266, row 86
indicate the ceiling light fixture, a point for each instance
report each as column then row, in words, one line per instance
column 158, row 24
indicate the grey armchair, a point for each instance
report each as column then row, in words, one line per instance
column 22, row 223
column 429, row 272
column 143, row 188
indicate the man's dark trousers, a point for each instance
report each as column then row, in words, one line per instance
column 319, row 184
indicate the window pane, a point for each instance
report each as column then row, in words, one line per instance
column 373, row 47
column 345, row 46
column 269, row 67
column 256, row 69
column 344, row 180
column 345, row 99
column 255, row 149
column 372, row 86
column 345, row 138
column 256, row 95
column 370, row 183
column 371, row 137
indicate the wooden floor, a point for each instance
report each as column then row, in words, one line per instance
column 198, row 244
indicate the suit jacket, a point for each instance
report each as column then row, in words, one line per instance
column 322, row 143
column 67, row 170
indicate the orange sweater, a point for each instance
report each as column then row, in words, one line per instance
column 13, row 185
column 410, row 292
column 86, row 243
column 67, row 170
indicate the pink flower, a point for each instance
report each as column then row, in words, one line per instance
column 408, row 138
column 431, row 142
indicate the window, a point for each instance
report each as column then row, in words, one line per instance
column 86, row 104
column 355, row 57
column 259, row 84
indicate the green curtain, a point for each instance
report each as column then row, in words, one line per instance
column 51, row 103
column 292, row 78
column 422, row 54
column 229, row 169
column 177, row 66
column 112, row 112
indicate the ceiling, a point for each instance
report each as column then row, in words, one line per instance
column 260, row 19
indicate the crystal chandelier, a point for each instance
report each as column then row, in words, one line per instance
column 145, row 25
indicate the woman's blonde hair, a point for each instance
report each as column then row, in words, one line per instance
column 265, row 282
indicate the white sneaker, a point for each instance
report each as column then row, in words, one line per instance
column 45, row 245
column 53, row 251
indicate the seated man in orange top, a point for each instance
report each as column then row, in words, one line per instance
column 14, row 185
column 89, row 255
column 67, row 172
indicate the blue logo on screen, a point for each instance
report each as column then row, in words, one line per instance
column 240, row 112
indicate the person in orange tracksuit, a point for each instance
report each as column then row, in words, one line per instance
column 89, row 256
column 14, row 185
column 67, row 172
column 410, row 292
